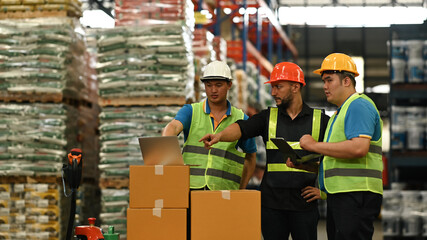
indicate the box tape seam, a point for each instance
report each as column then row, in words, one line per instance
column 158, row 203
column 226, row 194
column 158, row 169
column 157, row 212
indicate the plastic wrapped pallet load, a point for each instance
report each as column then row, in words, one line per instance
column 148, row 61
column 42, row 60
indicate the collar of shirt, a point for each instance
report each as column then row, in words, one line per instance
column 306, row 110
column 207, row 110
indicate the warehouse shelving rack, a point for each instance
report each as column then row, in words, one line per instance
column 259, row 32
column 406, row 94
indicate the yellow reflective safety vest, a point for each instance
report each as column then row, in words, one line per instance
column 276, row 164
column 355, row 174
column 219, row 168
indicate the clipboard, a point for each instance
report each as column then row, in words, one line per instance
column 289, row 152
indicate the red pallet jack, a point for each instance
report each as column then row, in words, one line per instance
column 73, row 173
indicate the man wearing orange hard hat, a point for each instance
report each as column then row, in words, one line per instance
column 288, row 195
column 351, row 170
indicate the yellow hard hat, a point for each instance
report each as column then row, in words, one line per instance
column 338, row 62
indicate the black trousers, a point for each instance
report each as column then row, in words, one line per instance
column 278, row 224
column 189, row 211
column 351, row 215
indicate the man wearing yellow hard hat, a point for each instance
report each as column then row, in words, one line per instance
column 288, row 195
column 351, row 170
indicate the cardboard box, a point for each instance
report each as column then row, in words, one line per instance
column 226, row 215
column 159, row 186
column 156, row 224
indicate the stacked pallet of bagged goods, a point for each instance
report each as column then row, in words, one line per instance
column 139, row 65
column 145, row 74
column 47, row 108
column 39, row 8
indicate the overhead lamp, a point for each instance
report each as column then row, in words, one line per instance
column 227, row 11
column 242, row 11
column 251, row 10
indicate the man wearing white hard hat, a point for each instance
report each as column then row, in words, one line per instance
column 224, row 167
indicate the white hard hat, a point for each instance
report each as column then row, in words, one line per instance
column 217, row 70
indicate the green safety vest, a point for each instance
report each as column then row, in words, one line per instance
column 281, row 167
column 355, row 174
column 219, row 168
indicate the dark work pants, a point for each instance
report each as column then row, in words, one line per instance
column 278, row 224
column 351, row 215
column 189, row 210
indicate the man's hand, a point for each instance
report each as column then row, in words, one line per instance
column 210, row 139
column 307, row 142
column 290, row 164
column 310, row 193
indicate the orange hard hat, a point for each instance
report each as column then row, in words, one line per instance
column 338, row 62
column 287, row 71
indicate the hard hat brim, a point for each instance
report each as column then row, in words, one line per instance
column 215, row 78
column 272, row 81
column 320, row 71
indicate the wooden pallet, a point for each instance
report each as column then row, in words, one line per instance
column 114, row 182
column 31, row 97
column 36, row 14
column 30, row 179
column 141, row 101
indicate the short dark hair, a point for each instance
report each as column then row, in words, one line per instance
column 342, row 75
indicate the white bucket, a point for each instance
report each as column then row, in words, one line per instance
column 425, row 50
column 415, row 137
column 411, row 224
column 398, row 49
column 391, row 223
column 398, row 115
column 425, row 71
column 424, row 201
column 411, row 200
column 424, row 224
column 398, row 67
column 398, row 137
column 415, row 49
column 392, row 200
column 415, row 70
column 415, row 116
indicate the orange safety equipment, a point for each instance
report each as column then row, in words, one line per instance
column 287, row 71
column 338, row 62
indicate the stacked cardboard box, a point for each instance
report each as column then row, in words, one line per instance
column 226, row 215
column 158, row 202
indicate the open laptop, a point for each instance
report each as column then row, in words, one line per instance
column 164, row 150
column 288, row 151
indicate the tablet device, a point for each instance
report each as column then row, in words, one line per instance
column 289, row 152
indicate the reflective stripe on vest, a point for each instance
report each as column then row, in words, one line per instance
column 219, row 168
column 214, row 151
column 315, row 132
column 356, row 174
column 215, row 173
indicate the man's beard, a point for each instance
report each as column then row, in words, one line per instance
column 285, row 103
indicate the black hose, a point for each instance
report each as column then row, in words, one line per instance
column 72, row 214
